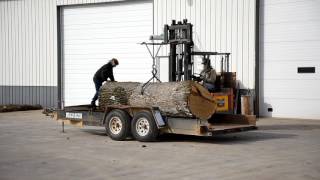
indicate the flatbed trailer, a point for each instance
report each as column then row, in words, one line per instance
column 146, row 123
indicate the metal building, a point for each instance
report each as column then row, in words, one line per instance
column 50, row 49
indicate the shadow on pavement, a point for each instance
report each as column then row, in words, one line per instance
column 234, row 138
column 100, row 132
column 304, row 127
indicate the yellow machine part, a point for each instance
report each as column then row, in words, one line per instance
column 222, row 102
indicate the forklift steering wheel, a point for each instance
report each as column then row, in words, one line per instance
column 196, row 77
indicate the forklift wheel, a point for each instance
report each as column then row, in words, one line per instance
column 117, row 125
column 143, row 127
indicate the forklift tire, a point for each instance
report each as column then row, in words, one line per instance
column 143, row 127
column 117, row 124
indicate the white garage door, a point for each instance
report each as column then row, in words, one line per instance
column 290, row 39
column 95, row 34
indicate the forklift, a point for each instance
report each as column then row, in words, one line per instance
column 178, row 35
column 147, row 123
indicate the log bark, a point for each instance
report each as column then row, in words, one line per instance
column 176, row 99
column 116, row 93
column 18, row 107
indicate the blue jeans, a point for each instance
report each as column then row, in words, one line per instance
column 97, row 84
column 209, row 87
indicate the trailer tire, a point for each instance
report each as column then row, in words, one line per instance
column 143, row 127
column 117, row 124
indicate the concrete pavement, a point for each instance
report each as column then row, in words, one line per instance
column 33, row 147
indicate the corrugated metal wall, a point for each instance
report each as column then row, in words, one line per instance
column 28, row 46
column 28, row 52
column 74, row 2
column 219, row 25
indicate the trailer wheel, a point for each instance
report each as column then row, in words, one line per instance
column 143, row 127
column 117, row 124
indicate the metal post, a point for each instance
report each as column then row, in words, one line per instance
column 60, row 56
column 187, row 62
column 62, row 126
column 257, row 55
column 227, row 63
column 172, row 63
column 222, row 70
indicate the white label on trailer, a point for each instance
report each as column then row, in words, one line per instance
column 74, row 115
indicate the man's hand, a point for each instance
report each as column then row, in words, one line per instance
column 196, row 78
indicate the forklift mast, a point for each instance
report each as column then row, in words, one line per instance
column 179, row 35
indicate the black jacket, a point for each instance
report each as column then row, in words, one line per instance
column 105, row 72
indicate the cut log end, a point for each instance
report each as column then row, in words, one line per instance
column 200, row 102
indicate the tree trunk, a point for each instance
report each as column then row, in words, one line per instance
column 116, row 93
column 176, row 99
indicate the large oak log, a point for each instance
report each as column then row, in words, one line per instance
column 177, row 99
